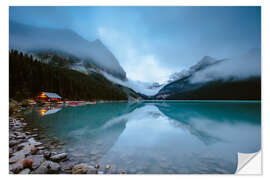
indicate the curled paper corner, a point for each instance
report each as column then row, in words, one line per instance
column 249, row 163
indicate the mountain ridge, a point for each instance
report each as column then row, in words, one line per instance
column 207, row 78
column 29, row 39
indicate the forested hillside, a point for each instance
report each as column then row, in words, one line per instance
column 27, row 77
column 247, row 89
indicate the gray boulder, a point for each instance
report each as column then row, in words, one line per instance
column 15, row 168
column 47, row 154
column 37, row 160
column 80, row 169
column 17, row 156
column 25, row 171
column 59, row 157
column 92, row 170
column 34, row 142
column 48, row 167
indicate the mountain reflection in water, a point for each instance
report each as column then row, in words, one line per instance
column 153, row 137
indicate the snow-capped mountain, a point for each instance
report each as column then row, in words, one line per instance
column 235, row 78
column 203, row 63
column 33, row 39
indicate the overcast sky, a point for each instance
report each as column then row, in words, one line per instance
column 150, row 43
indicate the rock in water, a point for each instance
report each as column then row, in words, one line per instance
column 48, row 167
column 92, row 170
column 83, row 169
column 52, row 166
column 80, row 169
column 123, row 172
column 59, row 157
column 41, row 170
column 108, row 167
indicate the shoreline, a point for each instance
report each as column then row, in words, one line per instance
column 29, row 156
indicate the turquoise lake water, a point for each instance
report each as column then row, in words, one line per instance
column 155, row 137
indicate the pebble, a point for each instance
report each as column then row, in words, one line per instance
column 11, row 151
column 34, row 142
column 52, row 166
column 123, row 172
column 25, row 171
column 108, row 167
column 37, row 160
column 92, row 170
column 16, row 168
column 27, row 163
column 33, row 150
column 13, row 143
column 40, row 147
column 48, row 167
column 67, row 166
column 47, row 154
column 80, row 168
column 59, row 157
column 34, row 135
column 28, row 133
column 17, row 156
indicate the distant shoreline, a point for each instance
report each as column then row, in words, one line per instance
column 207, row 100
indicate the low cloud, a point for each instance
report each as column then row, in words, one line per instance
column 241, row 67
column 137, row 86
column 139, row 66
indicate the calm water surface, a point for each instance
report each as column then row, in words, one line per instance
column 154, row 137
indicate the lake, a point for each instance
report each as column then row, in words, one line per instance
column 153, row 137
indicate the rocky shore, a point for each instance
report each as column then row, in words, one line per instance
column 28, row 156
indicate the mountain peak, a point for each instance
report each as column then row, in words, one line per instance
column 207, row 60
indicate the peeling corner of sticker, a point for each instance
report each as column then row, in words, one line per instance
column 249, row 163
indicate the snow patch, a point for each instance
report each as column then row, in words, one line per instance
column 138, row 86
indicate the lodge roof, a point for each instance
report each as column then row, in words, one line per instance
column 52, row 95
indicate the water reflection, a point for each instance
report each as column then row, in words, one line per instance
column 49, row 110
column 44, row 112
column 157, row 137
